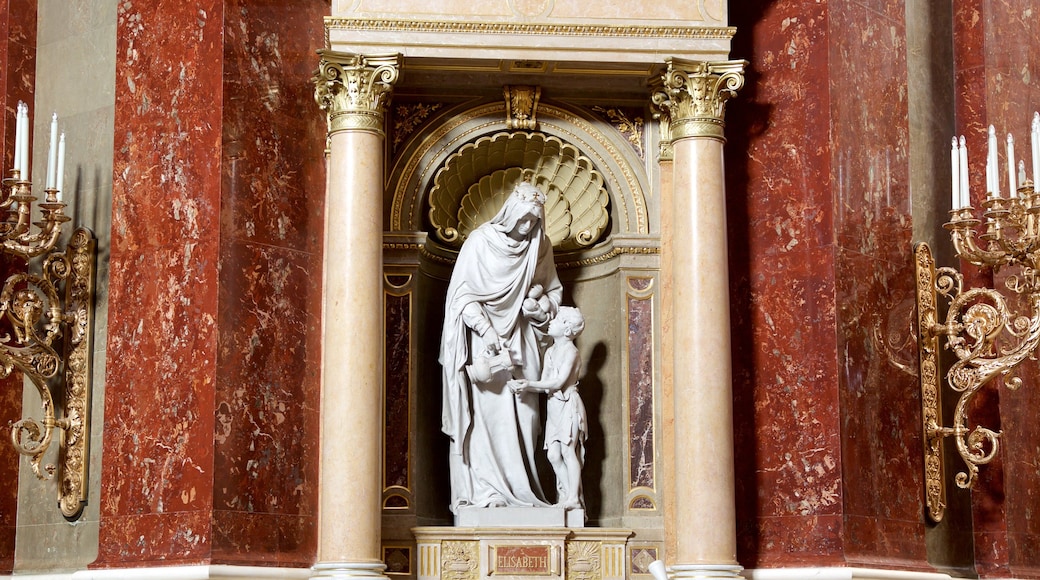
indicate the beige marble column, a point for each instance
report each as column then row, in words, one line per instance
column 692, row 95
column 353, row 90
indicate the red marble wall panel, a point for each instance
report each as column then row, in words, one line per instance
column 1012, row 67
column 820, row 242
column 996, row 62
column 787, row 422
column 17, row 68
column 396, row 404
column 972, row 119
column 266, row 407
column 875, row 286
column 17, row 78
column 641, row 391
column 157, row 483
column 269, row 360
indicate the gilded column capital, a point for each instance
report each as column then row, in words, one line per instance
column 354, row 89
column 692, row 96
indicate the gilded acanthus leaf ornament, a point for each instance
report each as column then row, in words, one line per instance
column 521, row 106
column 353, row 89
column 693, row 95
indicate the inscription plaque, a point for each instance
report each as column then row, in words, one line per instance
column 522, row 561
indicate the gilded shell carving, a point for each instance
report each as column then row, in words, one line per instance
column 474, row 181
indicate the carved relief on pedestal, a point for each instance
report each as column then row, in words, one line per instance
column 584, row 561
column 460, row 560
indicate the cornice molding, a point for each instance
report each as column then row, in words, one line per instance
column 525, row 28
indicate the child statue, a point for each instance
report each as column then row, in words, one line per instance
column 566, row 425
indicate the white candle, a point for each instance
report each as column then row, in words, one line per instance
column 26, row 137
column 992, row 179
column 955, row 174
column 1036, row 151
column 18, row 138
column 1021, row 172
column 963, row 165
column 52, row 152
column 60, row 177
column 1012, row 187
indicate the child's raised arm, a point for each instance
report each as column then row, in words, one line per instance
column 553, row 378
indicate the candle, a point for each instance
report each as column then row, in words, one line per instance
column 992, row 179
column 25, row 142
column 52, row 152
column 18, row 137
column 1011, row 166
column 60, row 177
column 963, row 165
column 1036, row 150
column 955, row 174
column 1021, row 172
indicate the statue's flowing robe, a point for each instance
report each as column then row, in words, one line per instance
column 494, row 432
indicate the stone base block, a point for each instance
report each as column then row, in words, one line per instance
column 518, row 517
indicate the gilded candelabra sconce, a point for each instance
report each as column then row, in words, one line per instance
column 989, row 334
column 46, row 314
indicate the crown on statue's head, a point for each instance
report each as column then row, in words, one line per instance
column 526, row 191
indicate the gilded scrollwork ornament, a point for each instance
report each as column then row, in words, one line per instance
column 693, row 94
column 37, row 317
column 982, row 329
column 354, row 89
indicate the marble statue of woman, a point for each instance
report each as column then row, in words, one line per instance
column 503, row 291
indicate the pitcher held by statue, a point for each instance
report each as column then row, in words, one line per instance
column 506, row 341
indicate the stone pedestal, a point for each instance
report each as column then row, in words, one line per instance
column 521, row 553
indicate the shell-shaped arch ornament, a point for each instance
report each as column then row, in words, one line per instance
column 474, row 181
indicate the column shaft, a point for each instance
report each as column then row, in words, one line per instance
column 352, row 362
column 692, row 95
column 702, row 364
column 353, row 357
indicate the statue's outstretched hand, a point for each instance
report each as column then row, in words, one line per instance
column 518, row 386
column 534, row 310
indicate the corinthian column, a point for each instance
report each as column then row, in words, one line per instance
column 692, row 96
column 353, row 91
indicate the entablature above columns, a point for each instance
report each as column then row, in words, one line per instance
column 619, row 31
column 505, row 40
